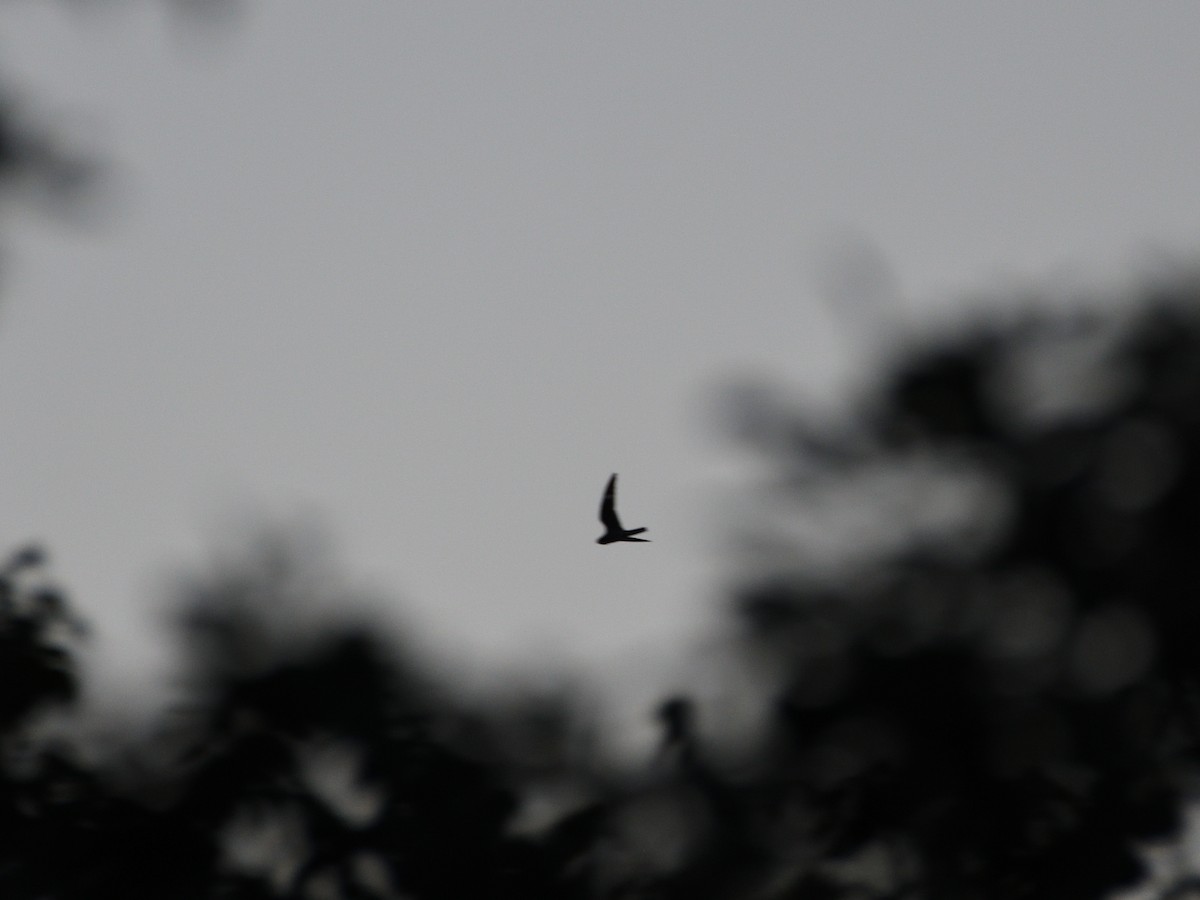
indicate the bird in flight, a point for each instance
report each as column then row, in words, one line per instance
column 612, row 525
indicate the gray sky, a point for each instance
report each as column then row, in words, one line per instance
column 433, row 271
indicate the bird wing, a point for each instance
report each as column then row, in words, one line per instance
column 608, row 506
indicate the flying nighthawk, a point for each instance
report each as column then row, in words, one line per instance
column 612, row 525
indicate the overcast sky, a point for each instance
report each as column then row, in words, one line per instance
column 433, row 271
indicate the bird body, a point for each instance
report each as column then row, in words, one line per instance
column 613, row 530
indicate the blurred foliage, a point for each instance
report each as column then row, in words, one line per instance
column 1007, row 706
column 43, row 163
column 1002, row 705
column 39, row 164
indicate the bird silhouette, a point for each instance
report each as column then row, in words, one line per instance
column 613, row 531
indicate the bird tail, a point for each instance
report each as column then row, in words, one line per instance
column 632, row 531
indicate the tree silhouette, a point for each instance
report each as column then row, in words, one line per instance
column 1009, row 710
column 1006, row 707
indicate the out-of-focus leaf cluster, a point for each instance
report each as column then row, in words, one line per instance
column 44, row 161
column 39, row 163
column 1005, row 704
column 36, row 634
column 299, row 760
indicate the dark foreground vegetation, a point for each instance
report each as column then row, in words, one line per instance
column 1002, row 700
